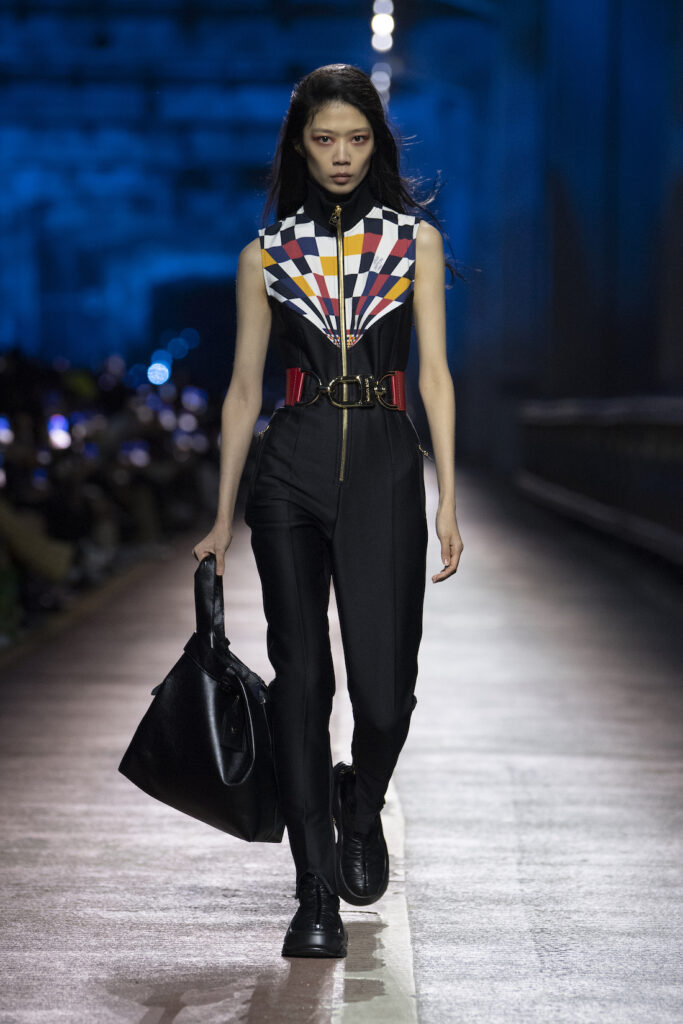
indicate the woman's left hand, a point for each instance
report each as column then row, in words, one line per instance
column 451, row 543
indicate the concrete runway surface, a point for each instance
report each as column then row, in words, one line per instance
column 534, row 819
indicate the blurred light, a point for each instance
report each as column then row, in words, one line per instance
column 135, row 375
column 382, row 24
column 91, row 450
column 139, row 457
column 200, row 442
column 383, row 7
column 81, row 382
column 153, row 400
column 6, row 432
column 43, row 456
column 60, row 364
column 39, row 478
column 135, row 452
column 182, row 441
column 382, row 43
column 162, row 355
column 178, row 347
column 191, row 336
column 168, row 391
column 116, row 365
column 107, row 381
column 194, row 399
column 381, row 80
column 187, row 421
column 120, row 476
column 144, row 413
column 79, row 424
column 58, row 431
column 167, row 418
column 3, row 477
column 158, row 373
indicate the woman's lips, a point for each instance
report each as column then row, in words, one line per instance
column 341, row 177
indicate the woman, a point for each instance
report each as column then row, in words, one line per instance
column 337, row 490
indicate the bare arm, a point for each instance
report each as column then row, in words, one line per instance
column 243, row 399
column 436, row 386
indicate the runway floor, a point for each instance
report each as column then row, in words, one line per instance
column 534, row 820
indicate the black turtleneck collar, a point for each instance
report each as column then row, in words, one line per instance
column 319, row 204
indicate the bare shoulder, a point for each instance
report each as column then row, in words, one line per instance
column 250, row 256
column 429, row 240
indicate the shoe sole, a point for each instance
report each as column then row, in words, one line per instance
column 347, row 894
column 315, row 946
column 315, row 952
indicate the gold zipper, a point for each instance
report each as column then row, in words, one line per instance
column 337, row 221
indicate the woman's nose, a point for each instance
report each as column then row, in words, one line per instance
column 341, row 155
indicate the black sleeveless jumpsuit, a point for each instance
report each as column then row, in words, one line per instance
column 339, row 493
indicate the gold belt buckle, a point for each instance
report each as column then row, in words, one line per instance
column 364, row 383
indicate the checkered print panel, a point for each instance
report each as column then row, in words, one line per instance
column 300, row 268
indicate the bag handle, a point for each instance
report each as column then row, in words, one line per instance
column 208, row 602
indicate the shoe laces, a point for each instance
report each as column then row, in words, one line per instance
column 315, row 896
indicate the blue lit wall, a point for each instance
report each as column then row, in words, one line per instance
column 135, row 139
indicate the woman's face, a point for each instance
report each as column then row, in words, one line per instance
column 338, row 143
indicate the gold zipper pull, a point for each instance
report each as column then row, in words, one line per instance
column 336, row 215
column 424, row 451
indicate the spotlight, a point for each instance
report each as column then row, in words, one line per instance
column 381, row 80
column 382, row 24
column 382, row 43
column 158, row 373
column 58, row 431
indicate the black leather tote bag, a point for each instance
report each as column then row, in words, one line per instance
column 204, row 744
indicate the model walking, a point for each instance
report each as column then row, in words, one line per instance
column 337, row 489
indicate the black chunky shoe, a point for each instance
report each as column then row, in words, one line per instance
column 316, row 929
column 362, row 859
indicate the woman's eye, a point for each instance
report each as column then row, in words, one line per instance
column 360, row 138
column 322, row 138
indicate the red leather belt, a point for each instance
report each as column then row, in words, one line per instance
column 361, row 389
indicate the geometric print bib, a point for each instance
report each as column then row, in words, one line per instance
column 299, row 260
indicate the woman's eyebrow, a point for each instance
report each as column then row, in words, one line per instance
column 330, row 131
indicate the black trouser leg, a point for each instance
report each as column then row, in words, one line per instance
column 378, row 569
column 293, row 560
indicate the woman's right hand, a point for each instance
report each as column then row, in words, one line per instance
column 217, row 541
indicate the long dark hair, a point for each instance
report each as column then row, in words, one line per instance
column 288, row 175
